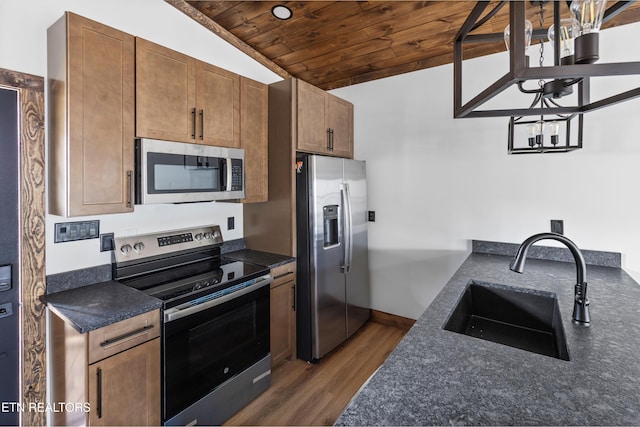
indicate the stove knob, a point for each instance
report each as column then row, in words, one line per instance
column 126, row 248
column 207, row 235
column 138, row 247
column 199, row 236
column 217, row 235
column 197, row 286
column 207, row 283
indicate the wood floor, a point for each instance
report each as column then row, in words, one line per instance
column 304, row 394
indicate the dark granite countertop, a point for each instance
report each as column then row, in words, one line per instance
column 267, row 259
column 438, row 377
column 94, row 306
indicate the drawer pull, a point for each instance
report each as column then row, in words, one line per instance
column 282, row 275
column 128, row 335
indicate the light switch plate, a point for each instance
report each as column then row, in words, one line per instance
column 6, row 310
column 557, row 226
column 81, row 230
column 5, row 278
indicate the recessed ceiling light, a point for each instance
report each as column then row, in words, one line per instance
column 281, row 12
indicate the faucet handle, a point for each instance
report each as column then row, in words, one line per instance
column 581, row 305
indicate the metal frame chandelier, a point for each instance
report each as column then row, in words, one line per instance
column 575, row 53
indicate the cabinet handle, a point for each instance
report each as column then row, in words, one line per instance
column 131, row 190
column 202, row 124
column 282, row 275
column 193, row 116
column 293, row 306
column 332, row 138
column 99, row 405
column 329, row 139
column 110, row 342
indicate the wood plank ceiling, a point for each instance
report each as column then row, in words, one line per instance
column 332, row 44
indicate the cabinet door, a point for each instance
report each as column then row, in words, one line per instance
column 340, row 120
column 165, row 93
column 218, row 106
column 254, row 104
column 283, row 318
column 312, row 129
column 92, row 164
column 124, row 389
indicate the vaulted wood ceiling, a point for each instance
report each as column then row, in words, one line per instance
column 332, row 44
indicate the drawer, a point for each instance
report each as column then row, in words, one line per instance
column 283, row 273
column 123, row 335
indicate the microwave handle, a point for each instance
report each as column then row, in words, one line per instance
column 226, row 174
column 223, row 174
column 229, row 172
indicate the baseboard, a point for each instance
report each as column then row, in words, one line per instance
column 394, row 320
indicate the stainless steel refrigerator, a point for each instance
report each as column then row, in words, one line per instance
column 333, row 297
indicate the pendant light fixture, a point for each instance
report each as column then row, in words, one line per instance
column 575, row 52
column 543, row 132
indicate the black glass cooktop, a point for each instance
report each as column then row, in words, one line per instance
column 185, row 282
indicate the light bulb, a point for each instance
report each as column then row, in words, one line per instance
column 569, row 28
column 528, row 31
column 588, row 14
column 539, row 137
column 554, row 130
column 531, row 133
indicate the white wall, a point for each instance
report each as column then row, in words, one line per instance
column 23, row 26
column 436, row 183
column 451, row 180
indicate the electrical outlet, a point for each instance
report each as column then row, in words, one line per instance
column 371, row 216
column 231, row 223
column 557, row 226
column 106, row 242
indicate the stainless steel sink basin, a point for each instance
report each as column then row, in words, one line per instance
column 527, row 319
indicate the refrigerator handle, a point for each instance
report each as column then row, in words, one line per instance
column 347, row 228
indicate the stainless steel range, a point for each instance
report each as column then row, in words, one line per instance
column 215, row 334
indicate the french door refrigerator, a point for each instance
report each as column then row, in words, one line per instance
column 9, row 292
column 333, row 297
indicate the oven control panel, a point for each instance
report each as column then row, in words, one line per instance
column 175, row 239
column 128, row 248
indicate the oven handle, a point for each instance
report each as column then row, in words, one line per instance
column 176, row 313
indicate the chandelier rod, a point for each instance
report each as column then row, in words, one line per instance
column 489, row 15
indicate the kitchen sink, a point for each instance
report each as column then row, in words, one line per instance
column 527, row 319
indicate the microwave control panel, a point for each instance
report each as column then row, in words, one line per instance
column 236, row 175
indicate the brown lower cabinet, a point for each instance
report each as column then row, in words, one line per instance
column 109, row 376
column 283, row 316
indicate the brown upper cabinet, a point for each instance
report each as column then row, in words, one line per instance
column 325, row 122
column 91, row 78
column 179, row 98
column 254, row 108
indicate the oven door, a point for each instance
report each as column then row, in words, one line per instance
column 176, row 172
column 204, row 349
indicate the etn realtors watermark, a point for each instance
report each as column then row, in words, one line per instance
column 13, row 407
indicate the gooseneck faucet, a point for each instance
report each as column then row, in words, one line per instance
column 581, row 302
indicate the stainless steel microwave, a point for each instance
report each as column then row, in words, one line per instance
column 177, row 172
